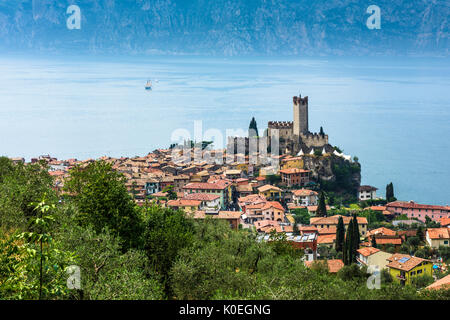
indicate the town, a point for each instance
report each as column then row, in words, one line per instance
column 301, row 197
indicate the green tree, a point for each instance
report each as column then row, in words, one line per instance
column 374, row 242
column 321, row 208
column 171, row 194
column 253, row 129
column 390, row 192
column 301, row 216
column 340, row 235
column 166, row 233
column 100, row 194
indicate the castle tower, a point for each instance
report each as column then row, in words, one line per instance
column 300, row 115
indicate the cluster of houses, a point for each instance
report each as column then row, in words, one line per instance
column 236, row 194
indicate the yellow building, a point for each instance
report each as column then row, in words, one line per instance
column 270, row 192
column 403, row 268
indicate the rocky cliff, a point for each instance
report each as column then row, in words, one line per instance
column 227, row 27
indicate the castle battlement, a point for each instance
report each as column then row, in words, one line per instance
column 280, row 124
column 314, row 139
column 300, row 101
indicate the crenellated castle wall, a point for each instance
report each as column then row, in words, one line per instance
column 314, row 139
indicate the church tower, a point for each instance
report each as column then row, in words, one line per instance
column 300, row 115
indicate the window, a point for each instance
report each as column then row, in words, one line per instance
column 419, row 271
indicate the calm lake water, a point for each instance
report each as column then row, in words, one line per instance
column 393, row 114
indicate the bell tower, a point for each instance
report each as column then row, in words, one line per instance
column 300, row 115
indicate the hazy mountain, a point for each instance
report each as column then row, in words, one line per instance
column 227, row 27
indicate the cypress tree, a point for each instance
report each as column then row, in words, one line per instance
column 356, row 237
column 348, row 245
column 390, row 192
column 340, row 235
column 374, row 242
column 253, row 129
column 322, row 207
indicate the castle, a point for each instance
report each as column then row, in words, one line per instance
column 294, row 136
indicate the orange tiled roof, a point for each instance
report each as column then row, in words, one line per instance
column 445, row 222
column 304, row 192
column 293, row 171
column 205, row 186
column 183, row 203
column 326, row 239
column 268, row 187
column 438, row 233
column 383, row 241
column 273, row 204
column 413, row 205
column 383, row 231
column 368, row 251
column 412, row 262
column 441, row 283
column 201, row 196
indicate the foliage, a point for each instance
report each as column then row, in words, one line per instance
column 340, row 235
column 321, row 208
column 253, row 128
column 273, row 179
column 422, row 281
column 20, row 186
column 301, row 216
column 102, row 199
column 166, row 233
column 390, row 193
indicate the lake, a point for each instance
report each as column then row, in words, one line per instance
column 393, row 114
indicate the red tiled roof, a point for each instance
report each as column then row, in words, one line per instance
column 183, row 203
column 383, row 231
column 445, row 222
column 201, row 196
column 273, row 204
column 368, row 251
column 438, row 233
column 413, row 205
column 293, row 171
column 441, row 283
column 326, row 239
column 304, row 192
column 205, row 186
column 407, row 265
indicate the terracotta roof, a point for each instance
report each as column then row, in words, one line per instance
column 409, row 264
column 273, row 204
column 205, row 186
column 304, row 192
column 201, row 196
column 268, row 187
column 220, row 215
column 330, row 230
column 441, row 283
column 438, row 233
column 335, row 220
column 261, row 178
column 383, row 231
column 334, row 265
column 326, row 239
column 383, row 241
column 183, row 203
column 413, row 205
column 376, row 208
column 293, row 171
column 445, row 222
column 368, row 251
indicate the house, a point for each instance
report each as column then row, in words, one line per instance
column 232, row 217
column 165, row 182
column 418, row 211
column 403, row 268
column 209, row 202
column 381, row 231
column 304, row 197
column 179, row 182
column 273, row 210
column 437, row 237
column 295, row 177
column 372, row 258
column 185, row 205
column 233, row 174
column 219, row 187
column 270, row 192
column 326, row 222
column 334, row 265
column 152, row 186
column 244, row 189
column 327, row 240
column 367, row 193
